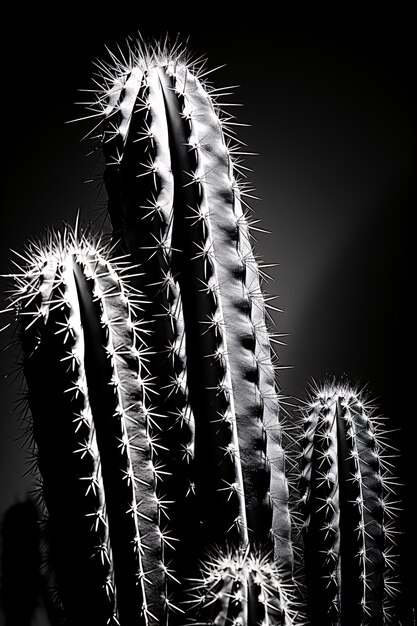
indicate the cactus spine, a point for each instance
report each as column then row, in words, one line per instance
column 348, row 517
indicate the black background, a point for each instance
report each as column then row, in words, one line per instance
column 330, row 96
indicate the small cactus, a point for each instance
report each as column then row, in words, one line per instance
column 237, row 588
column 348, row 513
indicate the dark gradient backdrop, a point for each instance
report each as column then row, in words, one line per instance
column 330, row 99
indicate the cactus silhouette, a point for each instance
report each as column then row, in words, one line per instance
column 154, row 406
column 346, row 486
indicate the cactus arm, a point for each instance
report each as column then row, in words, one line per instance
column 103, row 479
column 52, row 340
column 217, row 447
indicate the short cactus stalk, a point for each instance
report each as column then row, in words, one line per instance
column 348, row 516
column 238, row 588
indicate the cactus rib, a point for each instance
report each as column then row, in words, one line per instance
column 159, row 430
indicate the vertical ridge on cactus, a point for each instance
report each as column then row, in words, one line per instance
column 141, row 189
column 347, row 512
column 117, row 394
column 211, row 393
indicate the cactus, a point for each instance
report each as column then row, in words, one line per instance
column 346, row 486
column 236, row 589
column 176, row 206
column 92, row 425
column 155, row 411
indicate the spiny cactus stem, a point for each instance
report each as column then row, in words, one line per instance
column 96, row 361
column 188, row 196
column 243, row 589
column 352, row 523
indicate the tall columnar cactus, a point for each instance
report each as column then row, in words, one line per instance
column 176, row 206
column 150, row 376
column 346, row 487
column 96, row 441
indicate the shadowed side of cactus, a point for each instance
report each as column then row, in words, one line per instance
column 346, row 488
column 241, row 588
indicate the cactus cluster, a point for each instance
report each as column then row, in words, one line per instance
column 154, row 405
